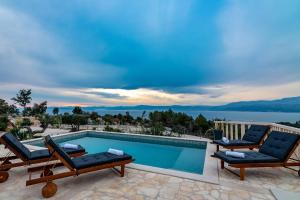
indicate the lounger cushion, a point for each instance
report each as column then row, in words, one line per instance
column 233, row 143
column 98, row 159
column 250, row 157
column 59, row 150
column 255, row 133
column 39, row 154
column 17, row 145
column 279, row 144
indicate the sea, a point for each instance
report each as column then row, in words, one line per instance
column 227, row 115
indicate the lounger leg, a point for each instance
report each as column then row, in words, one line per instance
column 49, row 189
column 242, row 174
column 122, row 170
column 3, row 176
column 222, row 164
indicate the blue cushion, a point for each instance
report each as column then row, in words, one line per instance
column 250, row 157
column 255, row 133
column 233, row 143
column 17, row 145
column 279, row 144
column 98, row 159
column 39, row 154
column 59, row 150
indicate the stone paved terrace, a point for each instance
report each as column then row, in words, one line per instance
column 138, row 184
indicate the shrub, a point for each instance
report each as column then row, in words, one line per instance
column 111, row 129
column 3, row 123
column 26, row 122
column 21, row 134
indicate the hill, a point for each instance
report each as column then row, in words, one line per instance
column 291, row 104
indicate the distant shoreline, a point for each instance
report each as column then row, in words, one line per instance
column 286, row 105
column 228, row 115
column 92, row 108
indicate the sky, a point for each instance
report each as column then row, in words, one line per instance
column 150, row 52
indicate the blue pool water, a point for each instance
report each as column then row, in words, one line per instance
column 177, row 156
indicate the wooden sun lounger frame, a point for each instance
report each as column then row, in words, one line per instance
column 286, row 164
column 20, row 160
column 251, row 147
column 50, row 188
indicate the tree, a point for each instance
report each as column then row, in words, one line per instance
column 45, row 120
column 157, row 129
column 4, row 107
column 23, row 98
column 94, row 117
column 27, row 111
column 128, row 118
column 201, row 124
column 66, row 118
column 56, row 120
column 13, row 110
column 108, row 119
column 39, row 109
column 78, row 120
column 55, row 111
column 77, row 110
column 75, row 120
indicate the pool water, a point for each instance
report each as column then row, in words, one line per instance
column 175, row 157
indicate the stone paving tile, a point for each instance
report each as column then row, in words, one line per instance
column 266, row 178
column 141, row 185
column 136, row 184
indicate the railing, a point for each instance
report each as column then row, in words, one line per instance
column 237, row 129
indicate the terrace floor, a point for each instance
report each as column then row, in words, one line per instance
column 138, row 184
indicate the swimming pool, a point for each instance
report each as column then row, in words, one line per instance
column 167, row 153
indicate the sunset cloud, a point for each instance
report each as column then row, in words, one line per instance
column 150, row 52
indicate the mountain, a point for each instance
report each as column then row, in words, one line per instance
column 291, row 104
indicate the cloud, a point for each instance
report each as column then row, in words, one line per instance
column 31, row 55
column 110, row 97
column 261, row 41
column 150, row 52
column 21, row 43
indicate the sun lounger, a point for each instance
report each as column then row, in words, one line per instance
column 22, row 156
column 253, row 138
column 77, row 166
column 276, row 151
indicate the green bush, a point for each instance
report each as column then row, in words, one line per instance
column 3, row 123
column 111, row 129
column 21, row 134
column 26, row 122
column 157, row 129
